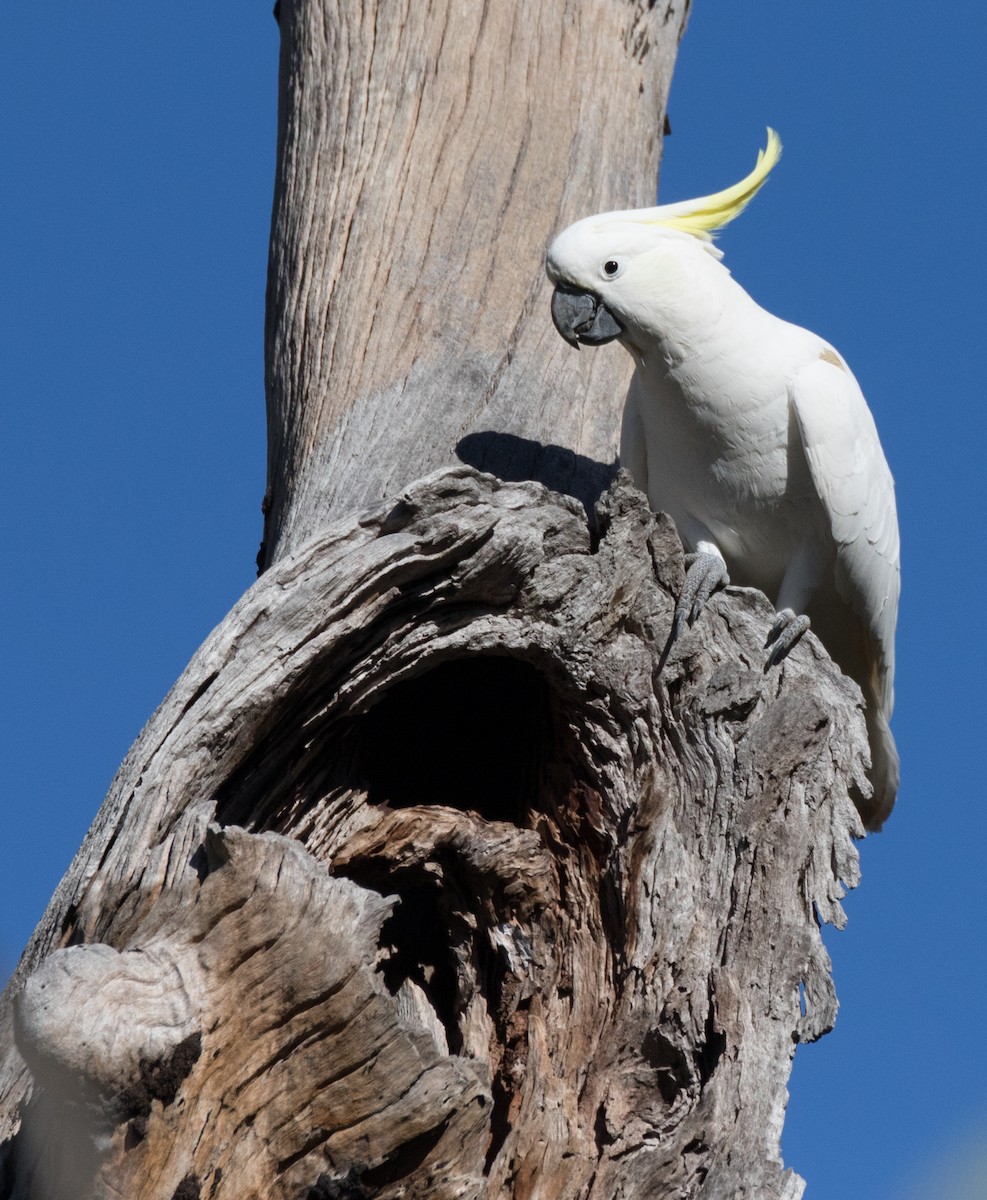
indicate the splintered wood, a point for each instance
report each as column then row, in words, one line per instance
column 430, row 878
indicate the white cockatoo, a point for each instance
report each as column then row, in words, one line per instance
column 751, row 433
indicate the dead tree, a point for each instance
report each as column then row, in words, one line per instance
column 431, row 876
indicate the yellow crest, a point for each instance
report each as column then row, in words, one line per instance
column 704, row 216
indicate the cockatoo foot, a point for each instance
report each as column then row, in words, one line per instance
column 704, row 574
column 785, row 632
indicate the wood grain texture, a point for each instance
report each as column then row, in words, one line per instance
column 427, row 154
column 461, row 894
column 437, row 874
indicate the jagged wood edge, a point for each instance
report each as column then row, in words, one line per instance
column 162, row 797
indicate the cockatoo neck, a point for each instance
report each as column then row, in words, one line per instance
column 682, row 301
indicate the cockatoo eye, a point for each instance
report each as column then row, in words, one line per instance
column 611, row 268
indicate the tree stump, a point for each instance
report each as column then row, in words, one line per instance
column 439, row 872
column 425, row 880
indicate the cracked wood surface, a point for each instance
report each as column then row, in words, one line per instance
column 574, row 963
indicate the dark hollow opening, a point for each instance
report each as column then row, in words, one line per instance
column 470, row 734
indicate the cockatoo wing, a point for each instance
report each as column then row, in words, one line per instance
column 854, row 484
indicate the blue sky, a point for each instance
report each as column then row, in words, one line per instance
column 138, row 152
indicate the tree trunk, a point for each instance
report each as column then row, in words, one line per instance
column 426, row 155
column 439, row 873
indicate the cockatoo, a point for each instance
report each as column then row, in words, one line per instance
column 751, row 433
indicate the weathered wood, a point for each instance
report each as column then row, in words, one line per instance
column 427, row 155
column 567, row 963
column 314, row 1057
column 433, row 875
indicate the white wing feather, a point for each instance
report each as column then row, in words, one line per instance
column 853, row 481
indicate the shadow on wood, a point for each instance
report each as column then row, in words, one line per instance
column 515, row 459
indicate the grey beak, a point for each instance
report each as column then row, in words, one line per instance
column 583, row 317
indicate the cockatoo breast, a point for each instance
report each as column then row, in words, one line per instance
column 721, row 457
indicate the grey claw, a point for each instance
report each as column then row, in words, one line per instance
column 785, row 632
column 704, row 574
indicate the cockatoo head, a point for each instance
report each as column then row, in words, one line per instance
column 612, row 271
